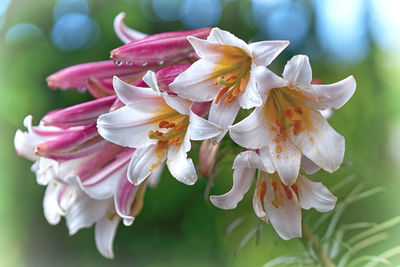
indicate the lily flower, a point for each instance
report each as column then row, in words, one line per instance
column 289, row 124
column 87, row 188
column 159, row 125
column 274, row 201
column 161, row 49
column 130, row 62
column 225, row 74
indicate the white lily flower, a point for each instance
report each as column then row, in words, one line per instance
column 225, row 74
column 274, row 201
column 160, row 127
column 289, row 124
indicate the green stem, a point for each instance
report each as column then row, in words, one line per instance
column 309, row 237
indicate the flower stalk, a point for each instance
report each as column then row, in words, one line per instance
column 310, row 238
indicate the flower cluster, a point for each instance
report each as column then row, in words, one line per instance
column 156, row 95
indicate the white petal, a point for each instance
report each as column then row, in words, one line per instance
column 205, row 49
column 196, row 83
column 286, row 219
column 180, row 167
column 124, row 196
column 242, row 179
column 223, row 114
column 154, row 178
column 267, row 80
column 219, row 36
column 51, row 208
column 315, row 195
column 320, row 143
column 308, row 166
column 104, row 234
column 298, row 71
column 251, row 96
column 266, row 160
column 127, row 127
column 144, row 161
column 24, row 146
column 124, row 33
column 249, row 159
column 258, row 198
column 286, row 158
column 324, row 96
column 252, row 132
column 265, row 52
column 85, row 211
column 201, row 129
column 151, row 80
column 138, row 97
column 177, row 103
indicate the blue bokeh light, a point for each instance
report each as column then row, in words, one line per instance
column 200, row 13
column 290, row 21
column 64, row 7
column 74, row 31
column 342, row 30
column 23, row 32
column 167, row 10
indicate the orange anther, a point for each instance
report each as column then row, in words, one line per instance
column 236, row 91
column 278, row 149
column 282, row 129
column 162, row 124
column 215, row 82
column 297, row 126
column 180, row 127
column 243, row 84
column 288, row 113
column 287, row 191
column 173, row 140
column 298, row 110
column 229, row 98
column 170, row 125
column 158, row 133
column 278, row 122
column 221, row 94
column 230, row 76
column 274, row 186
column 263, row 190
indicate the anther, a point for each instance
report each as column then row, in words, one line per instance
column 298, row 110
column 162, row 124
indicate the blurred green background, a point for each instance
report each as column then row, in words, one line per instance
column 176, row 227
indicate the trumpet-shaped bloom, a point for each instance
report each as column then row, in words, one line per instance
column 225, row 74
column 85, row 175
column 159, row 125
column 289, row 123
column 130, row 62
column 274, row 201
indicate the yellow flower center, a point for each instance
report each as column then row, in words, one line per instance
column 170, row 131
column 286, row 110
column 232, row 72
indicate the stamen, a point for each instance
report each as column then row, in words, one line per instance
column 162, row 124
column 288, row 113
column 169, row 125
column 263, row 190
column 229, row 98
column 287, row 191
column 180, row 127
column 173, row 140
column 243, row 84
column 236, row 91
column 298, row 110
column 221, row 94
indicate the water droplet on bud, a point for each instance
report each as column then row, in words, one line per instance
column 82, row 90
column 128, row 63
column 160, row 62
column 117, row 62
column 144, row 64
